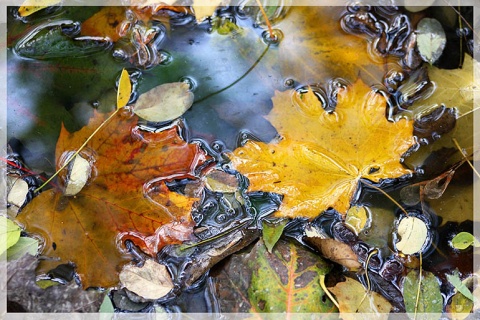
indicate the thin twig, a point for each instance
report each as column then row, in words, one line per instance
column 419, row 287
column 269, row 26
column 327, row 292
column 78, row 150
column 465, row 157
column 386, row 195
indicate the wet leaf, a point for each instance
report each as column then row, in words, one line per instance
column 124, row 89
column 165, row 102
column 24, row 245
column 322, row 156
column 336, row 251
column 106, row 306
column 220, row 181
column 357, row 218
column 286, row 280
column 455, row 280
column 17, row 191
column 203, row 11
column 10, row 233
column 413, row 233
column 29, row 7
column 431, row 39
column 105, row 23
column 430, row 301
column 151, row 281
column 432, row 125
column 78, row 175
column 463, row 240
column 22, row 289
column 84, row 228
column 272, row 232
column 351, row 297
column 460, row 308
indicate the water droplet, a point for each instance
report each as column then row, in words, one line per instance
column 165, row 57
column 272, row 39
column 289, row 83
column 463, row 32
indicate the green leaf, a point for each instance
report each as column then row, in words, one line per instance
column 107, row 305
column 431, row 39
column 272, row 232
column 455, row 280
column 463, row 240
column 9, row 233
column 430, row 300
column 287, row 280
column 23, row 246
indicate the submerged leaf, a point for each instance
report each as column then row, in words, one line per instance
column 336, row 251
column 165, row 102
column 151, row 281
column 118, row 199
column 431, row 39
column 353, row 298
column 321, row 159
column 430, row 300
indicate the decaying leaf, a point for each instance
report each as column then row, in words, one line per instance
column 29, row 7
column 84, row 228
column 463, row 240
column 165, row 102
column 322, row 156
column 430, row 300
column 205, row 9
column 351, row 297
column 286, row 280
column 220, row 181
column 336, row 251
column 9, row 233
column 78, row 175
column 22, row 289
column 151, row 281
column 431, row 39
column 413, row 233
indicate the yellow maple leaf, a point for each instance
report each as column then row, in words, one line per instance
column 322, row 156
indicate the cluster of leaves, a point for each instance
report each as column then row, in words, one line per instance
column 129, row 190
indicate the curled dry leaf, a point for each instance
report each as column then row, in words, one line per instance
column 336, row 251
column 151, row 281
column 78, row 175
column 413, row 232
column 165, row 102
column 322, row 156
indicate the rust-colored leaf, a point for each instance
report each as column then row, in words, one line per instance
column 322, row 156
column 115, row 202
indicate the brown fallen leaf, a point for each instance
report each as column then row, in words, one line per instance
column 336, row 251
column 85, row 228
column 322, row 156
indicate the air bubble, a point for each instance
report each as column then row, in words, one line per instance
column 274, row 39
column 192, row 84
column 289, row 83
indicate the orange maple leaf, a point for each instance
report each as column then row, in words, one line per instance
column 322, row 156
column 85, row 228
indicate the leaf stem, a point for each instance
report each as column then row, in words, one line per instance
column 327, row 292
column 269, row 26
column 386, row 195
column 78, row 151
column 419, row 287
column 465, row 156
column 238, row 80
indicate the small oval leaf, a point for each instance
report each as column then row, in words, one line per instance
column 9, row 233
column 463, row 240
column 413, row 233
column 79, row 173
column 165, row 102
column 431, row 39
column 124, row 89
column 17, row 191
